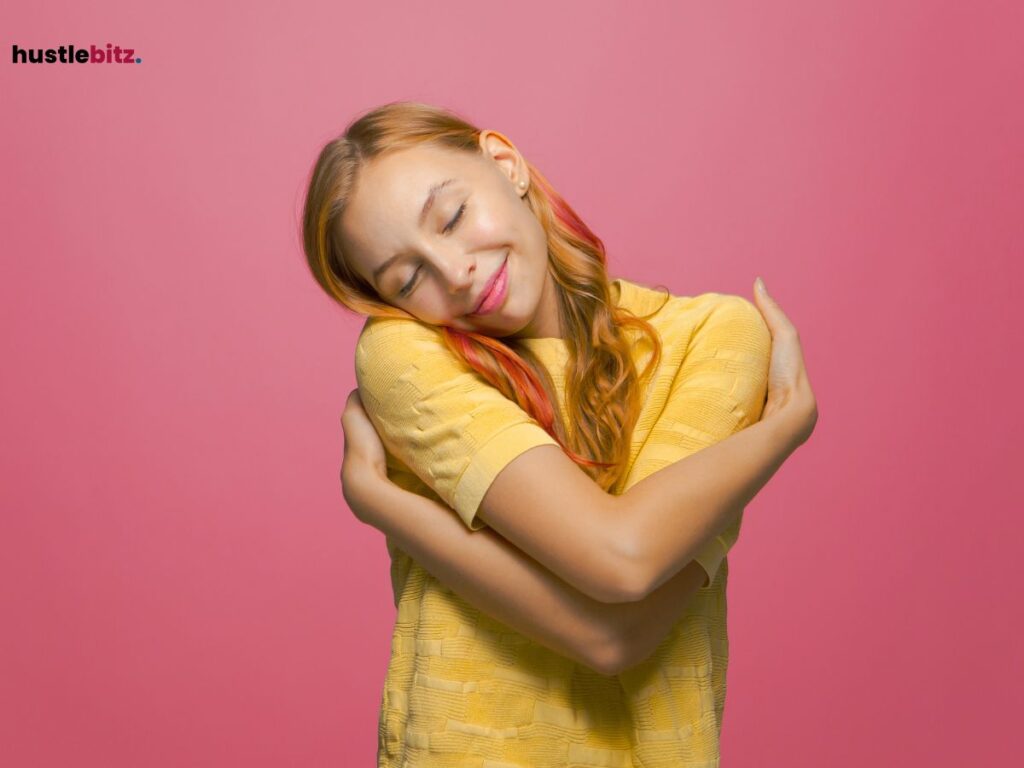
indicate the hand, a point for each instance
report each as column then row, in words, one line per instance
column 789, row 390
column 364, row 458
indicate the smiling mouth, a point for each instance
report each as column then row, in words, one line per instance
column 498, row 281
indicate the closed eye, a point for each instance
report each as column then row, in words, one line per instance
column 407, row 288
column 455, row 219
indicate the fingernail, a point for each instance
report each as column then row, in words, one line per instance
column 761, row 285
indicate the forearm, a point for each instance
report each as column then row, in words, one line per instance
column 649, row 621
column 712, row 485
column 493, row 575
column 499, row 579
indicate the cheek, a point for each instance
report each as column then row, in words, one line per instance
column 428, row 306
column 537, row 243
column 488, row 225
column 502, row 218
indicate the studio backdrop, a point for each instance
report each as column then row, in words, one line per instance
column 181, row 581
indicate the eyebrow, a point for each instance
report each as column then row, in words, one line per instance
column 427, row 205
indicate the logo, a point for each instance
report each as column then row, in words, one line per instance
column 69, row 54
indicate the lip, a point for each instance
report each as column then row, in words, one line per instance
column 486, row 298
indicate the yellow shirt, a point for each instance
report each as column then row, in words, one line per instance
column 463, row 689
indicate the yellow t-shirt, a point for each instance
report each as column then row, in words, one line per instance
column 463, row 689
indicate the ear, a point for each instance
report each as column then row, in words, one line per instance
column 503, row 152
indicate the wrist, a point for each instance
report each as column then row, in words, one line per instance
column 796, row 415
column 360, row 482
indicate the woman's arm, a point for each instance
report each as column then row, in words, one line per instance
column 457, row 434
column 619, row 548
column 703, row 407
column 506, row 584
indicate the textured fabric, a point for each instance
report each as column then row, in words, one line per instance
column 463, row 689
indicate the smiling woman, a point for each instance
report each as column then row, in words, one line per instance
column 438, row 259
column 560, row 461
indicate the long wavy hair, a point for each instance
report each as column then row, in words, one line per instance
column 603, row 387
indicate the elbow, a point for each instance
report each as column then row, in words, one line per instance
column 607, row 666
column 619, row 573
column 622, row 584
column 633, row 584
column 620, row 578
column 610, row 658
column 631, row 577
column 615, row 658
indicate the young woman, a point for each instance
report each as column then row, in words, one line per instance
column 559, row 461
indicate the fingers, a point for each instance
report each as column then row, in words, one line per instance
column 774, row 317
column 352, row 404
column 353, row 399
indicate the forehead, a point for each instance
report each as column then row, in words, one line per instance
column 383, row 210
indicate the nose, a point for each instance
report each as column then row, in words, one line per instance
column 458, row 271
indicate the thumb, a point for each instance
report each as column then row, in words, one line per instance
column 768, row 306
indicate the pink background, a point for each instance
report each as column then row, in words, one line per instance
column 181, row 581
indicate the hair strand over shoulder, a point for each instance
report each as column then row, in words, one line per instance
column 603, row 389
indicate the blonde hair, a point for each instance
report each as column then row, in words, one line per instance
column 603, row 389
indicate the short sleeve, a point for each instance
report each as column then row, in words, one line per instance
column 437, row 415
column 714, row 551
column 719, row 389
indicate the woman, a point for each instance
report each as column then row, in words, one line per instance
column 606, row 434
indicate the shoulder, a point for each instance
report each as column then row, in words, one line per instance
column 707, row 317
column 389, row 347
column 376, row 327
column 726, row 307
column 727, row 320
column 682, row 313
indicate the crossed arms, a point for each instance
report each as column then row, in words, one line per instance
column 597, row 577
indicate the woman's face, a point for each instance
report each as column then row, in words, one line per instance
column 442, row 233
